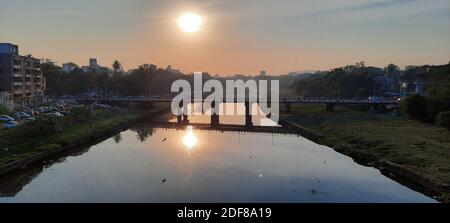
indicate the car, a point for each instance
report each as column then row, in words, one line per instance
column 30, row 112
column 54, row 115
column 40, row 110
column 30, row 119
column 6, row 118
column 22, row 115
column 10, row 124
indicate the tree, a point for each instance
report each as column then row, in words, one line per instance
column 360, row 64
column 52, row 74
column 361, row 93
column 415, row 106
column 443, row 119
column 72, row 64
column 391, row 68
column 117, row 67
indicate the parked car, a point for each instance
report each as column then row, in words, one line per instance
column 30, row 119
column 40, row 110
column 54, row 115
column 6, row 118
column 10, row 124
column 31, row 112
column 22, row 115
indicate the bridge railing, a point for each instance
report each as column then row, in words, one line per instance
column 282, row 101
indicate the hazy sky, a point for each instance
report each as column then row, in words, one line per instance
column 237, row 36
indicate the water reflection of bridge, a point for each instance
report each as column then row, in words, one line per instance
column 228, row 128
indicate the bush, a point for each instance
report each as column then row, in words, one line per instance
column 415, row 106
column 443, row 119
column 362, row 93
column 3, row 110
column 79, row 114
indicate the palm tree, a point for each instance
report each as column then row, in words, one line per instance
column 117, row 67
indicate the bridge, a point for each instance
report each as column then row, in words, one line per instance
column 129, row 99
column 286, row 103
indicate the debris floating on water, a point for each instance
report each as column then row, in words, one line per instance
column 164, row 180
column 164, row 140
column 312, row 191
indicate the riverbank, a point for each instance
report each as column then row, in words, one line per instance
column 17, row 151
column 414, row 152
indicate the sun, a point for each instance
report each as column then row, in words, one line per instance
column 190, row 22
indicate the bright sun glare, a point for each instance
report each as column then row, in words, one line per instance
column 189, row 139
column 190, row 22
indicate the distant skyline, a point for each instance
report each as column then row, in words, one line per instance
column 236, row 37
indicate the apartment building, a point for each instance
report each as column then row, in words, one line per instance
column 21, row 76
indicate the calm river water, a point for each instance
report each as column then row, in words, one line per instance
column 151, row 164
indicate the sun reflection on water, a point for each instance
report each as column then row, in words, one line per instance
column 189, row 140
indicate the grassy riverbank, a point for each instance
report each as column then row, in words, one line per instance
column 75, row 129
column 419, row 148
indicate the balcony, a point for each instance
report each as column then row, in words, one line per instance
column 17, row 83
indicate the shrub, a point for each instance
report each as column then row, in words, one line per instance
column 3, row 110
column 433, row 107
column 31, row 130
column 80, row 114
column 415, row 106
column 443, row 119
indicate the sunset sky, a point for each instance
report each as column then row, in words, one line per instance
column 236, row 36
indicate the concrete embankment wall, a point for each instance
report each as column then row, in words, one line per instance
column 55, row 149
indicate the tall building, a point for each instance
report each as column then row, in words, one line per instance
column 21, row 76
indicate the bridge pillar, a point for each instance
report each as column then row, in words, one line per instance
column 248, row 116
column 214, row 115
column 183, row 117
column 185, row 120
column 329, row 107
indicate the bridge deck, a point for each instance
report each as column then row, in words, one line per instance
column 289, row 101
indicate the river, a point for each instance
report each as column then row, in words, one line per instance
column 150, row 164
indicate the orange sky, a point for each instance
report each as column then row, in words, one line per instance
column 237, row 36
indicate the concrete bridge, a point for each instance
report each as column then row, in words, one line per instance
column 147, row 102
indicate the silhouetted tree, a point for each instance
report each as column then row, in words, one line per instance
column 117, row 66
